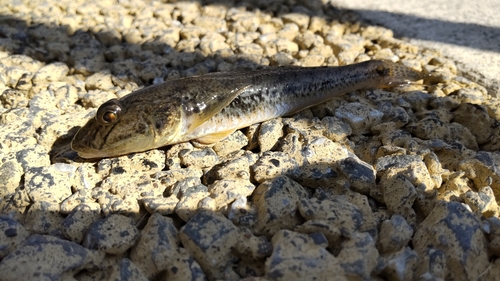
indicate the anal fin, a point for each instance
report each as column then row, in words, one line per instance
column 215, row 137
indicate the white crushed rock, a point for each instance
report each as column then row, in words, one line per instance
column 398, row 184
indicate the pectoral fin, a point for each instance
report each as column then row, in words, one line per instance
column 215, row 137
column 202, row 110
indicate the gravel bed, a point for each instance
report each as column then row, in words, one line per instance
column 397, row 184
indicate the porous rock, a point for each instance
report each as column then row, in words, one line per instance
column 483, row 170
column 401, row 265
column 44, row 218
column 161, row 236
column 13, row 234
column 114, row 234
column 455, row 234
column 339, row 213
column 226, row 191
column 269, row 133
column 10, row 177
column 433, row 128
column 48, row 183
column 77, row 223
column 160, row 205
column 189, row 201
column 126, row 270
column 360, row 117
column 47, row 256
column 360, row 174
column 272, row 164
column 51, row 72
column 476, row 119
column 210, row 238
column 199, row 158
column 232, row 143
column 276, row 202
column 291, row 248
column 359, row 257
column 399, row 194
column 391, row 240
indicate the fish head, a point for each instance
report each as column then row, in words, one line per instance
column 389, row 74
column 121, row 127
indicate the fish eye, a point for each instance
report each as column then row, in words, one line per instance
column 109, row 117
column 108, row 112
column 382, row 71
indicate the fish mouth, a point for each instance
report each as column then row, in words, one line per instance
column 88, row 147
column 91, row 153
column 85, row 151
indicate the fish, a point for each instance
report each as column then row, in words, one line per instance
column 208, row 108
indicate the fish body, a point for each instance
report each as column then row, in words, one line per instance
column 209, row 107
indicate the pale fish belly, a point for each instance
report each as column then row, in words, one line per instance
column 227, row 122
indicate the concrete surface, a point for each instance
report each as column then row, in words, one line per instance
column 467, row 31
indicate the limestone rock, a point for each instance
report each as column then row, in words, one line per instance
column 47, row 256
column 113, row 235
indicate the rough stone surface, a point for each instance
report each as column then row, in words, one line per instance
column 378, row 184
column 113, row 235
column 391, row 240
column 126, row 270
column 339, row 214
column 358, row 256
column 47, row 256
column 78, row 222
column 210, row 239
column 161, row 235
column 456, row 236
column 13, row 235
column 276, row 202
column 290, row 249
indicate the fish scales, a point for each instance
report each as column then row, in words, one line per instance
column 210, row 107
column 277, row 93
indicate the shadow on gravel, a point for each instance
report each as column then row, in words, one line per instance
column 43, row 42
column 465, row 34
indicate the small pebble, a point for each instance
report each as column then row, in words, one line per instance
column 77, row 223
column 49, row 256
column 114, row 235
column 289, row 248
column 456, row 233
column 209, row 238
column 276, row 202
column 13, row 234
